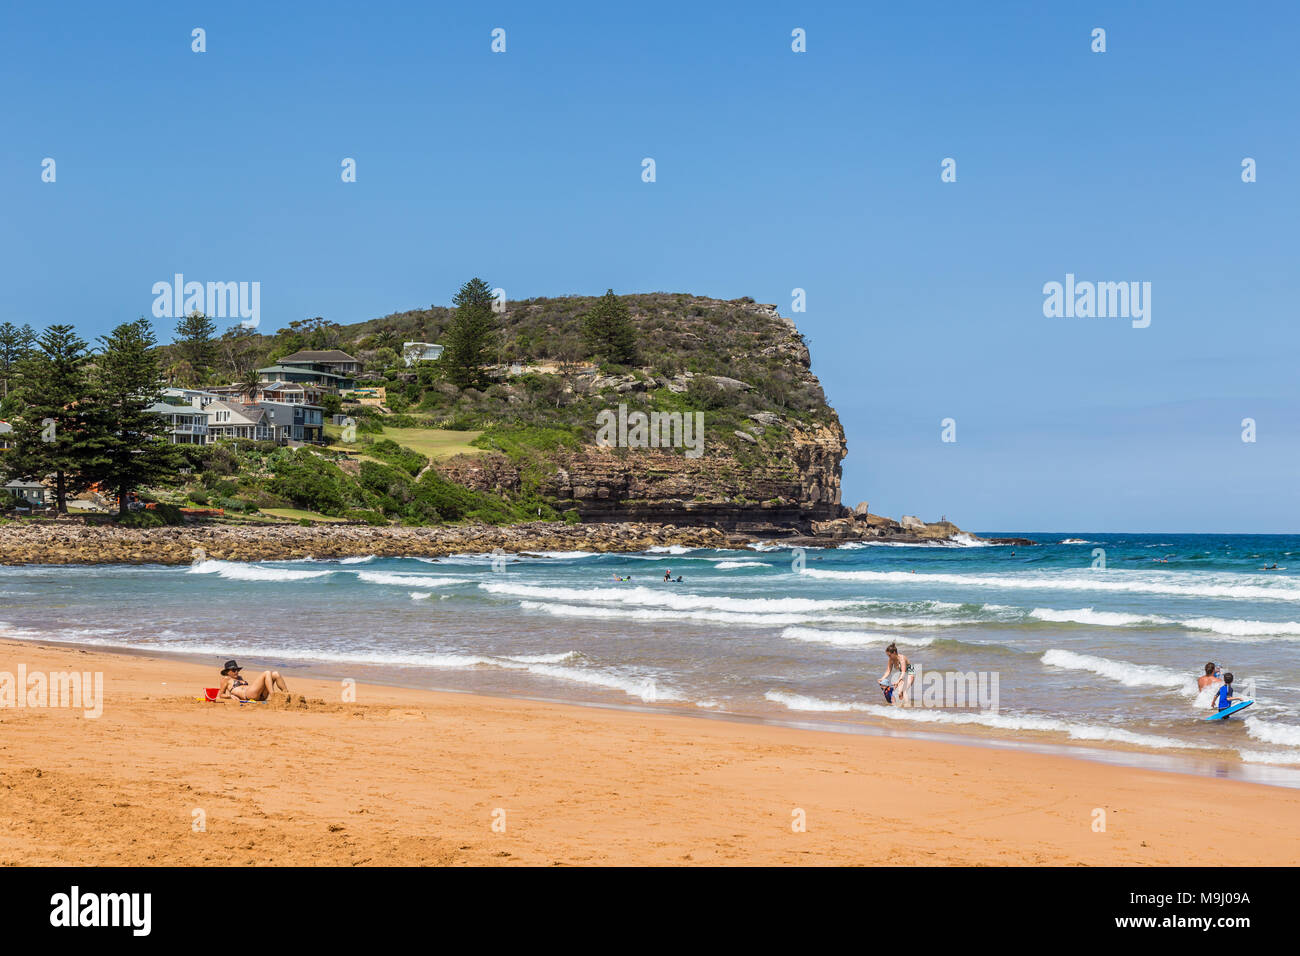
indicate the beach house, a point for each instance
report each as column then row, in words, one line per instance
column 187, row 424
column 28, row 494
column 332, row 369
column 414, row 352
column 6, row 431
column 235, row 420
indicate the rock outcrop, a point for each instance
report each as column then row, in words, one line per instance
column 796, row 483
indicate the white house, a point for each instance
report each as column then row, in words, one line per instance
column 232, row 420
column 187, row 424
column 421, row 352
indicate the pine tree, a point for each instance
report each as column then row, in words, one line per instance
column 49, row 434
column 15, row 344
column 608, row 332
column 196, row 344
column 470, row 334
column 129, row 446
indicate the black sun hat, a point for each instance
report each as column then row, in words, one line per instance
column 230, row 666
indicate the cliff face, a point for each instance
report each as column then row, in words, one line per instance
column 796, row 483
column 772, row 445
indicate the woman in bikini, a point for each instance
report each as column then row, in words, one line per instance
column 902, row 684
column 234, row 685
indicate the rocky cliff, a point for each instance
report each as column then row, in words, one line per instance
column 770, row 459
column 794, row 484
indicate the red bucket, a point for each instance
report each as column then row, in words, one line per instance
column 211, row 692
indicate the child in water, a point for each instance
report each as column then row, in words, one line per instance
column 1226, row 699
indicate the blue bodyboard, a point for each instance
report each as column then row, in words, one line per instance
column 1229, row 711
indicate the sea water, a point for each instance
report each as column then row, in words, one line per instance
column 1077, row 653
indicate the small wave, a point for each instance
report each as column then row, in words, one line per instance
column 1075, row 541
column 1233, row 628
column 670, row 549
column 665, row 598
column 563, row 555
column 1286, row 735
column 1022, row 722
column 235, row 571
column 1182, row 584
column 359, row 559
column 728, row 565
column 817, row 635
column 1130, row 675
column 406, row 580
column 1086, row 615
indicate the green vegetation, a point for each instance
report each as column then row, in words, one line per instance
column 527, row 382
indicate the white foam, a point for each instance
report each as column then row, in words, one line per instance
column 1179, row 583
column 1286, row 735
column 406, row 580
column 1235, row 628
column 359, row 559
column 1072, row 729
column 236, row 571
column 728, row 565
column 666, row 597
column 670, row 549
column 1130, row 675
column 816, row 635
column 1086, row 615
column 1269, row 757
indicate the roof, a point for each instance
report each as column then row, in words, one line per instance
column 162, row 408
column 252, row 413
column 25, row 484
column 291, row 370
column 330, row 355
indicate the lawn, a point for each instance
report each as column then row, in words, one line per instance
column 433, row 443
column 297, row 514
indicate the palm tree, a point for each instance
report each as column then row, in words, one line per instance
column 249, row 384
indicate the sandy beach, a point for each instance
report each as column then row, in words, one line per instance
column 411, row 777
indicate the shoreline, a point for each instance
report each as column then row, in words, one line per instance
column 412, row 777
column 1117, row 755
column 70, row 542
column 60, row 543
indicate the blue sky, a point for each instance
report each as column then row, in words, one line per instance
column 775, row 170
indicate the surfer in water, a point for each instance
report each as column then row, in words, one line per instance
column 899, row 687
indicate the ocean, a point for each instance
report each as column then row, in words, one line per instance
column 1048, row 647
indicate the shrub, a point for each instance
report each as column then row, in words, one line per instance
column 394, row 454
column 310, row 482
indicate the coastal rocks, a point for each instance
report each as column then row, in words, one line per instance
column 40, row 542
